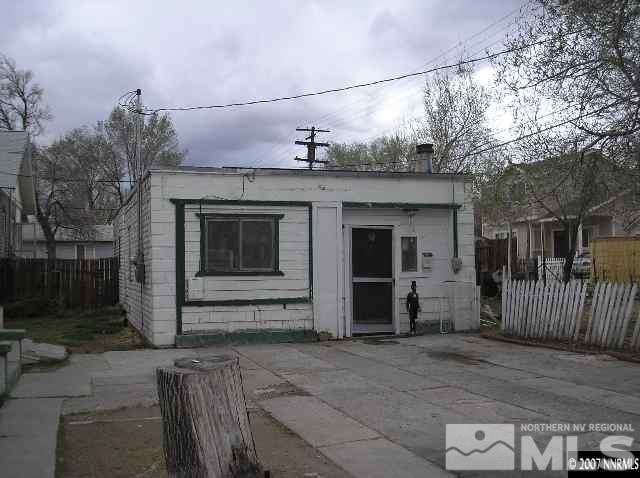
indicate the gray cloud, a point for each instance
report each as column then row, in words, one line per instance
column 85, row 54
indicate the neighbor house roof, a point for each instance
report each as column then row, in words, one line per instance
column 94, row 233
column 16, row 176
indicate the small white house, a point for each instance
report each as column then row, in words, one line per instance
column 270, row 254
column 93, row 242
column 17, row 192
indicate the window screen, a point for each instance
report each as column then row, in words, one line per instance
column 241, row 244
column 409, row 246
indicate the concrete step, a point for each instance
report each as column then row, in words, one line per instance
column 10, row 358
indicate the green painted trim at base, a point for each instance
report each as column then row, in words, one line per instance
column 242, row 337
column 12, row 334
column 231, row 302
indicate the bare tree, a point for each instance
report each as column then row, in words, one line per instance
column 586, row 63
column 455, row 121
column 160, row 145
column 585, row 69
column 21, row 100
column 73, row 185
column 387, row 153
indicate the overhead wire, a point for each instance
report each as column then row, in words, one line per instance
column 339, row 115
column 459, row 64
column 494, row 145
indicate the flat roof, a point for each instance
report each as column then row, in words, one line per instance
column 308, row 172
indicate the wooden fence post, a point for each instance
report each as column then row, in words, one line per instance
column 206, row 429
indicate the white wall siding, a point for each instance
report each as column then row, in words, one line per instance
column 294, row 244
column 293, row 256
column 434, row 230
column 136, row 298
column 250, row 317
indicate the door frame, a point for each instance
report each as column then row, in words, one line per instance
column 347, row 231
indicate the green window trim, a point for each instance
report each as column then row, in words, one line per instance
column 181, row 302
column 455, row 233
column 204, row 231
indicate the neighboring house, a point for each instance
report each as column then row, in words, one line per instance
column 290, row 251
column 536, row 232
column 544, row 235
column 93, row 242
column 17, row 192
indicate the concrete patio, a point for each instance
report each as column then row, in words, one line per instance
column 377, row 408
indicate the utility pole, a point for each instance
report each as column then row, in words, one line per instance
column 312, row 145
column 139, row 125
column 139, row 167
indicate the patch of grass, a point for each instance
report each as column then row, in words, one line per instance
column 82, row 331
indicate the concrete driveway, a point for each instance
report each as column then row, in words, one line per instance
column 378, row 408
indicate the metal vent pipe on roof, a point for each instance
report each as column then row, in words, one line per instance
column 424, row 158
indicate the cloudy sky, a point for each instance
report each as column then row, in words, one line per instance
column 87, row 53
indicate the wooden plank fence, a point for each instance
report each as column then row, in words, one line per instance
column 616, row 259
column 75, row 283
column 556, row 311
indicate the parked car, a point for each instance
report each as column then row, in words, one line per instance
column 582, row 266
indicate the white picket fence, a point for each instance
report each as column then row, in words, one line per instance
column 554, row 267
column 535, row 310
column 555, row 311
column 611, row 311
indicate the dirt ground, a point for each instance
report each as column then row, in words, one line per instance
column 128, row 443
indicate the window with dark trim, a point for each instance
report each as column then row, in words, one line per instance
column 245, row 244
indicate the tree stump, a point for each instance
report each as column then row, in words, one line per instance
column 206, row 431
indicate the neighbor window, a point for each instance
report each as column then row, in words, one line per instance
column 409, row 245
column 80, row 251
column 245, row 244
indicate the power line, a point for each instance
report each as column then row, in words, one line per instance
column 344, row 114
column 360, row 85
column 498, row 145
column 445, row 54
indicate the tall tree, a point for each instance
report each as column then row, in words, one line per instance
column 586, row 63
column 21, row 100
column 160, row 145
column 72, row 193
column 387, row 153
column 585, row 69
column 454, row 120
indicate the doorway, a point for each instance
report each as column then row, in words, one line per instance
column 560, row 243
column 372, row 280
